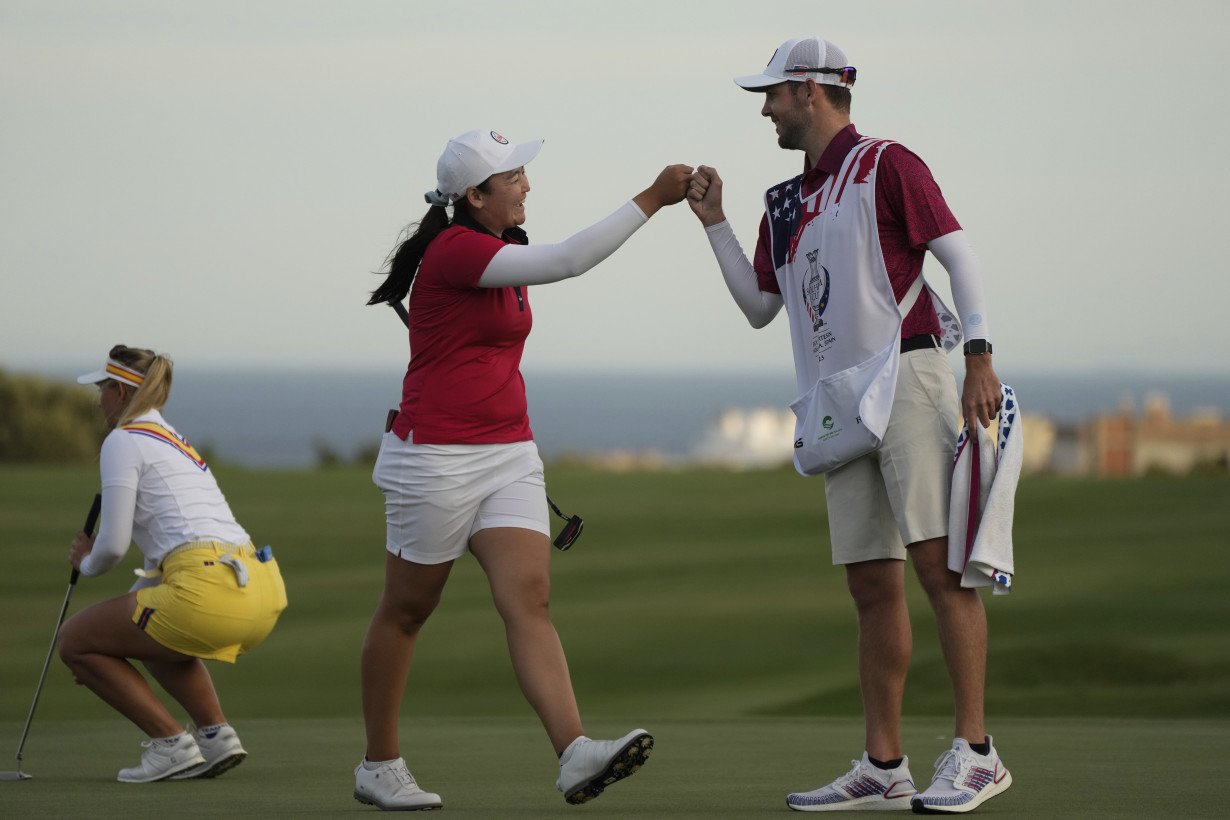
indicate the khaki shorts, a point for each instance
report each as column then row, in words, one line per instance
column 199, row 609
column 898, row 494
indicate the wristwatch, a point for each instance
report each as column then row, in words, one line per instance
column 977, row 347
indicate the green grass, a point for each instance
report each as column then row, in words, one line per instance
column 728, row 767
column 701, row 604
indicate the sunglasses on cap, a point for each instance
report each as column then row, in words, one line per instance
column 847, row 74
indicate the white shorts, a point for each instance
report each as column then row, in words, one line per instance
column 899, row 494
column 438, row 495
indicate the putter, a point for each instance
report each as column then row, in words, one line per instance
column 90, row 521
column 572, row 523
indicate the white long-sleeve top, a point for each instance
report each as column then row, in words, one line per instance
column 157, row 492
column 515, row 265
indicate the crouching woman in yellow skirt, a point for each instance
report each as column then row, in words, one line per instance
column 205, row 591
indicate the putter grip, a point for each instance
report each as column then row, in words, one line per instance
column 90, row 521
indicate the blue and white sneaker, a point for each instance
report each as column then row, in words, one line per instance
column 964, row 780
column 865, row 787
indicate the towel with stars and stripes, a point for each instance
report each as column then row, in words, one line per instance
column 984, row 479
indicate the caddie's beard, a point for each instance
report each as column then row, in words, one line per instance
column 790, row 135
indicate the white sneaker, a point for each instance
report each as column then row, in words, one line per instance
column 391, row 787
column 589, row 766
column 963, row 781
column 222, row 752
column 865, row 787
column 163, row 757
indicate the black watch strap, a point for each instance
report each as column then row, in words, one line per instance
column 977, row 347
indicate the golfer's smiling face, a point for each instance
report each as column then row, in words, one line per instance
column 502, row 206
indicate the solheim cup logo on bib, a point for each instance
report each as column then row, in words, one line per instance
column 816, row 290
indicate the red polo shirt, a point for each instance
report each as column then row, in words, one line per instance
column 910, row 212
column 464, row 384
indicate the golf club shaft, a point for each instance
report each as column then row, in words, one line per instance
column 90, row 521
column 401, row 312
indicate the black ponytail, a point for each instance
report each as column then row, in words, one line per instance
column 403, row 262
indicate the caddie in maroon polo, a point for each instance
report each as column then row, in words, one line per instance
column 841, row 248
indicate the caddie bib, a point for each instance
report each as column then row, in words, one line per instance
column 845, row 323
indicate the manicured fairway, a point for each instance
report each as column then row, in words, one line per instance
column 699, row 604
column 503, row 767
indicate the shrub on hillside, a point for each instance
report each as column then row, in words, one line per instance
column 46, row 421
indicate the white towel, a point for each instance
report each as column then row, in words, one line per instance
column 984, row 479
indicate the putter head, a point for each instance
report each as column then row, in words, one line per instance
column 569, row 534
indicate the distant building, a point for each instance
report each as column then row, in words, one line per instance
column 764, row 437
column 1124, row 444
column 742, row 439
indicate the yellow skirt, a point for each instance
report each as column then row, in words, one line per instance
column 200, row 609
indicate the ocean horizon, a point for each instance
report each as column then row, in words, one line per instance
column 286, row 419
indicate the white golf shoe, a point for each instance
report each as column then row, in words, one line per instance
column 589, row 766
column 221, row 749
column 162, row 758
column 389, row 786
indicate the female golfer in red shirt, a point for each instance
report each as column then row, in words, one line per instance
column 458, row 466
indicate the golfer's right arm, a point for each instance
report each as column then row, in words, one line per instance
column 515, row 265
column 705, row 199
column 119, row 466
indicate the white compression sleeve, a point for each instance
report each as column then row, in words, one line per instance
column 965, row 273
column 758, row 306
column 115, row 532
column 542, row 264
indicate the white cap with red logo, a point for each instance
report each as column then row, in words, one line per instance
column 471, row 158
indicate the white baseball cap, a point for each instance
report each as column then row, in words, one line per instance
column 797, row 60
column 471, row 158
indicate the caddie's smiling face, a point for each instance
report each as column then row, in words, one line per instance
column 784, row 105
column 502, row 205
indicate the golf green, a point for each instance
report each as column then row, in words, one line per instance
column 699, row 604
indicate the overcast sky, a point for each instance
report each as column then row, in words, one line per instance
column 218, row 180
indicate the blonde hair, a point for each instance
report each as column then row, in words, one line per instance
column 154, row 391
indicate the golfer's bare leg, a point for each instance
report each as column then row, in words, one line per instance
column 884, row 646
column 95, row 644
column 192, row 687
column 962, row 625
column 411, row 593
column 518, row 567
